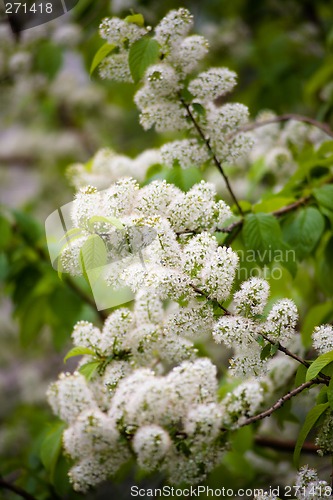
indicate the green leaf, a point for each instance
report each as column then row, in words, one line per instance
column 262, row 234
column 101, row 54
column 322, row 396
column 324, row 196
column 93, row 256
column 271, row 204
column 51, row 448
column 302, row 230
column 142, row 54
column 88, row 369
column 137, row 19
column 310, row 421
column 198, row 108
column 318, row 364
column 106, row 220
column 265, row 352
column 78, row 351
column 300, row 375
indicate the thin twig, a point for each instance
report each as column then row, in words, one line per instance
column 213, row 155
column 280, row 402
column 286, row 351
column 15, row 489
column 283, row 118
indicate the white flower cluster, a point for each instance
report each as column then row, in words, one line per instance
column 324, row 438
column 140, row 416
column 242, row 331
column 160, row 98
column 245, row 401
column 156, row 213
column 122, row 35
column 106, row 166
column 309, row 486
column 323, row 338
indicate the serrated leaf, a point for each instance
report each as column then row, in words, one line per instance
column 78, row 351
column 309, row 423
column 93, row 256
column 88, row 369
column 303, row 230
column 318, row 365
column 142, row 54
column 101, row 54
column 137, row 19
column 51, row 448
column 324, row 196
column 106, row 220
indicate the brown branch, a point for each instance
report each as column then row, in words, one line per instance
column 280, row 402
column 287, row 445
column 286, row 351
column 5, row 485
column 283, row 118
column 213, row 155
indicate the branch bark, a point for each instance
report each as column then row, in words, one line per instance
column 287, row 446
column 280, row 402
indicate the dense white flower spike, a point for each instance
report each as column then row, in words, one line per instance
column 116, row 68
column 151, row 443
column 323, row 338
column 282, row 320
column 174, row 26
column 309, row 486
column 212, row 84
column 186, row 153
column 251, row 299
column 324, row 438
column 119, row 32
column 186, row 56
column 242, row 403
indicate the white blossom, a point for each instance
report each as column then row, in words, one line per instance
column 323, row 338
column 175, row 25
column 211, row 84
column 151, row 443
column 282, row 320
column 252, row 297
column 187, row 153
column 118, row 32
